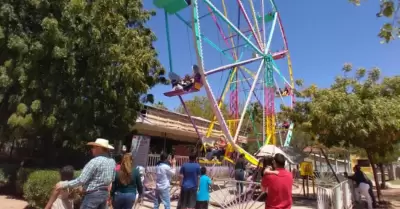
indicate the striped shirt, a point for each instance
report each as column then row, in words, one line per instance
column 98, row 173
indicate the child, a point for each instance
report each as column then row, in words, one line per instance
column 62, row 199
column 203, row 195
column 268, row 166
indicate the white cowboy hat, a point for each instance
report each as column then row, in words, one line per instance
column 101, row 143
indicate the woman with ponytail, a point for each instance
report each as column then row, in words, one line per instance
column 126, row 185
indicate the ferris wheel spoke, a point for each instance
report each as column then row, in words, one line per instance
column 231, row 25
column 233, row 65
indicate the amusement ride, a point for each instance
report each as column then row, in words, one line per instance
column 253, row 78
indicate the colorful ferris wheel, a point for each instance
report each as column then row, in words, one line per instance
column 243, row 64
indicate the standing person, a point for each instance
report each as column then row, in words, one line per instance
column 96, row 176
column 279, row 186
column 126, row 185
column 240, row 167
column 364, row 186
column 190, row 173
column 164, row 173
column 118, row 159
column 203, row 195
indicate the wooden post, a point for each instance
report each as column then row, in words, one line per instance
column 313, row 186
column 308, row 187
column 304, row 186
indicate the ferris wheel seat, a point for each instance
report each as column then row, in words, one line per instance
column 267, row 18
column 172, row 6
column 279, row 55
column 181, row 92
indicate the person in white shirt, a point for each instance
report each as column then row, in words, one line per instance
column 164, row 173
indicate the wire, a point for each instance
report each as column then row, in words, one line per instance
column 190, row 48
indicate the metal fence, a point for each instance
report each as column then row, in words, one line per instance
column 338, row 197
column 218, row 170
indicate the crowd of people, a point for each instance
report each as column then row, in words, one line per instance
column 104, row 183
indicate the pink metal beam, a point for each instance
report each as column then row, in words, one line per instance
column 249, row 23
column 221, row 32
column 243, row 31
column 282, row 31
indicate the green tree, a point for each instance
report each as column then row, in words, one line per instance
column 160, row 105
column 200, row 106
column 73, row 70
column 359, row 110
column 389, row 10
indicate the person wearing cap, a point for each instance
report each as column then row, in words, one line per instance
column 96, row 176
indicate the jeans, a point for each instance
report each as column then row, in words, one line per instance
column 239, row 176
column 124, row 200
column 362, row 190
column 95, row 200
column 162, row 196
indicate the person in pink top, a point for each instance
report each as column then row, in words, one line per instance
column 118, row 159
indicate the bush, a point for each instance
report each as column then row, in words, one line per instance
column 8, row 174
column 22, row 177
column 39, row 185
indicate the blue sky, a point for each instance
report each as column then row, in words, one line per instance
column 321, row 37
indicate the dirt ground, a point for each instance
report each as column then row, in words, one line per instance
column 392, row 196
column 389, row 195
column 11, row 203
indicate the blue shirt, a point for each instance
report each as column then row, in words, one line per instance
column 190, row 172
column 164, row 172
column 204, row 193
column 98, row 173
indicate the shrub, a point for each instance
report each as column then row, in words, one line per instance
column 8, row 174
column 4, row 179
column 39, row 185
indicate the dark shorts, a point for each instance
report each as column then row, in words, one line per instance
column 188, row 198
column 202, row 205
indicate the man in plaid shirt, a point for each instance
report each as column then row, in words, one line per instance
column 96, row 176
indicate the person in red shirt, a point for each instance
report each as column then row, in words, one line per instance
column 279, row 186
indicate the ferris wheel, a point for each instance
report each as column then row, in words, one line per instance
column 242, row 61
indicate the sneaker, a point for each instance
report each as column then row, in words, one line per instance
column 195, row 69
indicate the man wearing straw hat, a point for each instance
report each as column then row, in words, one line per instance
column 96, row 176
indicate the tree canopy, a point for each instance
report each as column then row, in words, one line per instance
column 160, row 105
column 200, row 106
column 74, row 70
column 359, row 109
column 390, row 11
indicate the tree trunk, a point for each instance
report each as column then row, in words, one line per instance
column 12, row 149
column 383, row 180
column 329, row 164
column 378, row 188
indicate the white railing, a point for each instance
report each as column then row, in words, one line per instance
column 338, row 197
column 216, row 170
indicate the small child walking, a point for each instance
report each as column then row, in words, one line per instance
column 203, row 195
column 62, row 199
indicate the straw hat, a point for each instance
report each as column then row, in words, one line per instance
column 101, row 143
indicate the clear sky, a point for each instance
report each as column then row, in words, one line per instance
column 322, row 36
